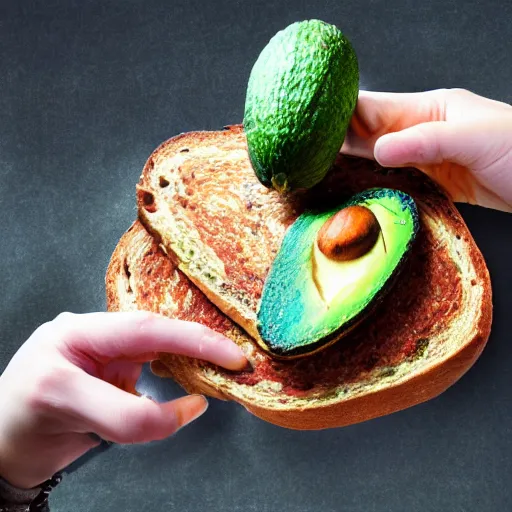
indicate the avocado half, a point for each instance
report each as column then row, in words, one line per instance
column 310, row 301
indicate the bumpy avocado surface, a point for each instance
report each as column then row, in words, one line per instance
column 301, row 94
column 310, row 300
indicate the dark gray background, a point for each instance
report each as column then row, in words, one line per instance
column 87, row 90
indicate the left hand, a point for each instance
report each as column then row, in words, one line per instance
column 461, row 140
column 76, row 375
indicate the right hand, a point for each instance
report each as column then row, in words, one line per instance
column 461, row 140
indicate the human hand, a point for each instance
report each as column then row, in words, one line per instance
column 71, row 378
column 462, row 140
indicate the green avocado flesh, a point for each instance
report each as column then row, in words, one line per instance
column 300, row 98
column 308, row 300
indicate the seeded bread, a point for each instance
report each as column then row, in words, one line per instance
column 424, row 336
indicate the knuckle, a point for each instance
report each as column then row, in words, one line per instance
column 145, row 319
column 201, row 338
column 47, row 334
column 205, row 334
column 65, row 326
column 64, row 318
column 459, row 92
column 437, row 95
column 451, row 94
column 442, row 91
column 47, row 391
column 44, row 331
column 55, row 379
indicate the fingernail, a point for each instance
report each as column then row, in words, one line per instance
column 189, row 408
column 248, row 367
column 231, row 357
column 239, row 361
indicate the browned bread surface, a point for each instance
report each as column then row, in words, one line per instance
column 423, row 337
column 141, row 276
column 199, row 196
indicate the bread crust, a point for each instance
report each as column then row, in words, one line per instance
column 420, row 388
column 422, row 384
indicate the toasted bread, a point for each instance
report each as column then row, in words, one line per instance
column 425, row 334
column 200, row 197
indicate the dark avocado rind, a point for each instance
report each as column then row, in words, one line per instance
column 301, row 95
column 294, row 317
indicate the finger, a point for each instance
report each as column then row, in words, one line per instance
column 126, row 419
column 469, row 160
column 433, row 143
column 140, row 336
column 378, row 113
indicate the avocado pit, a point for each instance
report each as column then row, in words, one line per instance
column 349, row 234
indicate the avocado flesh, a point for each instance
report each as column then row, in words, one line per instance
column 310, row 301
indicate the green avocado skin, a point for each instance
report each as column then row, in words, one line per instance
column 292, row 318
column 301, row 94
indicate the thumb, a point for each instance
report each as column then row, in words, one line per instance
column 431, row 143
column 468, row 160
column 481, row 146
column 123, row 418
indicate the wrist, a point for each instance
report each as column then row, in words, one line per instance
column 11, row 470
column 25, row 462
column 19, row 472
column 21, row 478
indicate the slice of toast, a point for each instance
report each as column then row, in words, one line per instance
column 199, row 196
column 425, row 334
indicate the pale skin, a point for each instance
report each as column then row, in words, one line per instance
column 462, row 140
column 76, row 375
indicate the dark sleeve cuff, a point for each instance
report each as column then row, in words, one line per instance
column 13, row 499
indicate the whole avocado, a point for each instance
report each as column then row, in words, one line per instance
column 301, row 94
